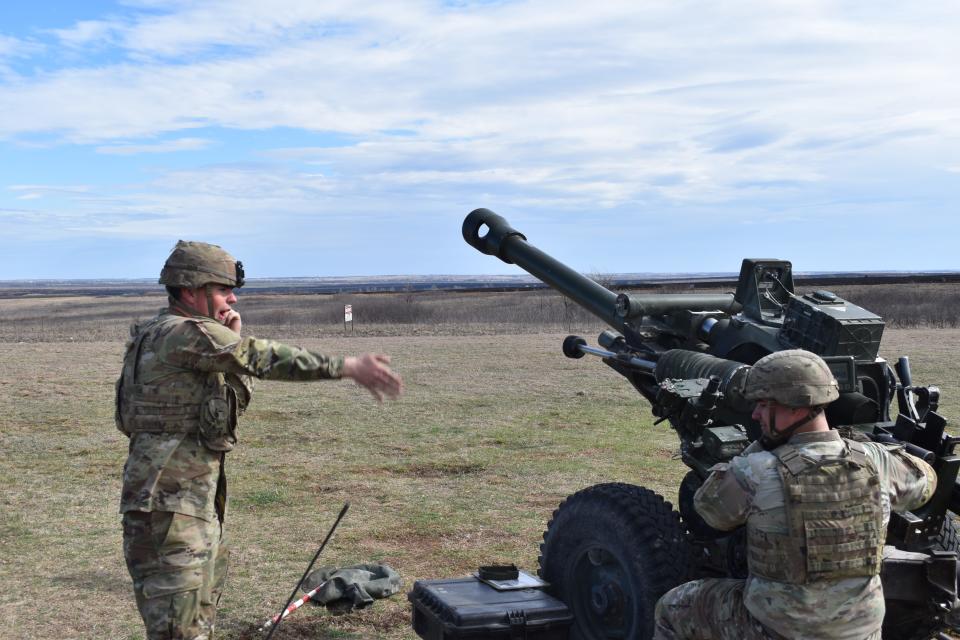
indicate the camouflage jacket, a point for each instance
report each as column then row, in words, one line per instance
column 750, row 487
column 177, row 361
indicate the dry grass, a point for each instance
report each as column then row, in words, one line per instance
column 89, row 318
column 105, row 318
column 465, row 469
column 493, row 431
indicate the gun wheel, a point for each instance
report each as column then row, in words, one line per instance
column 907, row 621
column 609, row 552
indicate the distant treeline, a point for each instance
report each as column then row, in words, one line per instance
column 930, row 305
column 935, row 305
column 502, row 283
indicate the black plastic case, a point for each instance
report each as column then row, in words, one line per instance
column 455, row 608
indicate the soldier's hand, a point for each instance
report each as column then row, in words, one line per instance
column 231, row 320
column 370, row 370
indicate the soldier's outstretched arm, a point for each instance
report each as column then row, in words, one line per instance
column 370, row 371
column 210, row 346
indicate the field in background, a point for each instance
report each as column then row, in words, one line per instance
column 105, row 318
column 495, row 429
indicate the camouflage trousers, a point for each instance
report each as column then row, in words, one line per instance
column 710, row 609
column 179, row 566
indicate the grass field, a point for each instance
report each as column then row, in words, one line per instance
column 465, row 469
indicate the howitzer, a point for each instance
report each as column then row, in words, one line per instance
column 688, row 354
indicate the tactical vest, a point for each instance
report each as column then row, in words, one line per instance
column 186, row 401
column 834, row 520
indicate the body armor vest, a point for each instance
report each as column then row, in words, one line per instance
column 834, row 520
column 183, row 400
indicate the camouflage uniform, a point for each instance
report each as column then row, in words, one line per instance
column 750, row 490
column 814, row 560
column 185, row 381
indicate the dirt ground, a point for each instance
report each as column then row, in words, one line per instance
column 494, row 430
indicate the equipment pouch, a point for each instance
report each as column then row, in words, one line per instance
column 218, row 417
column 171, row 582
column 122, row 414
column 118, row 407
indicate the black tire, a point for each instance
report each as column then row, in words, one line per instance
column 609, row 552
column 907, row 621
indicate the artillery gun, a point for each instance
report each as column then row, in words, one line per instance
column 612, row 549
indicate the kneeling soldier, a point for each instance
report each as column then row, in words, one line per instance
column 816, row 508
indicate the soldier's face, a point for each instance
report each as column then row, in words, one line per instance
column 761, row 413
column 767, row 413
column 774, row 416
column 223, row 297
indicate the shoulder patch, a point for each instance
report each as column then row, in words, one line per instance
column 218, row 334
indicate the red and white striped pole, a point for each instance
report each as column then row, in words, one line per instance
column 275, row 622
column 293, row 607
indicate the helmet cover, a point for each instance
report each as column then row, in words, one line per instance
column 196, row 264
column 793, row 378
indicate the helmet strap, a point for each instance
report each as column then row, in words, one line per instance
column 191, row 308
column 208, row 289
column 777, row 438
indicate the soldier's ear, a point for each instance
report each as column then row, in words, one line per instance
column 193, row 297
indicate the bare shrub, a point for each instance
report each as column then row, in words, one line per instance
column 106, row 318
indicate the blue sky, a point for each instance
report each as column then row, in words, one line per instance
column 351, row 138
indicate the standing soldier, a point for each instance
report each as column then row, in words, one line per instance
column 814, row 559
column 187, row 376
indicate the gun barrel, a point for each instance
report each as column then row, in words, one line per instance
column 491, row 234
column 637, row 306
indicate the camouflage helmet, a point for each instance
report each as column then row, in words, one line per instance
column 793, row 378
column 195, row 264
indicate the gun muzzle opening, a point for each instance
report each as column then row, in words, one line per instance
column 572, row 346
column 486, row 232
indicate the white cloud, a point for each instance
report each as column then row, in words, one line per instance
column 89, row 33
column 547, row 105
column 47, row 189
column 166, row 146
column 361, row 68
column 13, row 50
column 8, row 45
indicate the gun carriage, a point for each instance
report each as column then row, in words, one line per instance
column 611, row 550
